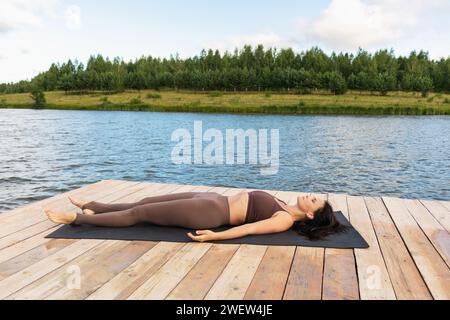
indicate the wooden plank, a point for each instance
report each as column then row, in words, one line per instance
column 305, row 277
column 428, row 261
column 4, row 216
column 37, row 214
column 340, row 281
column 129, row 280
column 34, row 267
column 406, row 279
column 199, row 280
column 162, row 282
column 446, row 204
column 337, row 285
column 49, row 284
column 25, row 247
column 31, row 209
column 374, row 280
column 26, row 233
column 306, row 273
column 21, row 262
column 441, row 213
column 34, row 272
column 27, row 244
column 152, row 289
column 210, row 266
column 95, row 191
column 97, row 268
column 242, row 266
column 435, row 232
column 67, row 274
column 99, row 193
column 272, row 274
column 116, row 287
column 21, row 248
column 270, row 279
column 238, row 274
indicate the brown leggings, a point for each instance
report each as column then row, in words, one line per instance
column 196, row 210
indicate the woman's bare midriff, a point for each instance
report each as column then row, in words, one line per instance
column 238, row 208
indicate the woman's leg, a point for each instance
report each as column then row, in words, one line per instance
column 189, row 213
column 99, row 207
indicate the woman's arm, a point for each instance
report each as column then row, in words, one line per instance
column 281, row 222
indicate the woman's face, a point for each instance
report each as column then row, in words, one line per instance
column 310, row 204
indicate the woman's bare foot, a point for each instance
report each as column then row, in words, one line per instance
column 80, row 203
column 61, row 217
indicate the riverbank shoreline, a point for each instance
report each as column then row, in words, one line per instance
column 398, row 103
column 273, row 110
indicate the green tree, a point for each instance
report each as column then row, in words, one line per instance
column 424, row 85
column 249, row 69
column 383, row 83
column 337, row 83
column 362, row 81
column 38, row 97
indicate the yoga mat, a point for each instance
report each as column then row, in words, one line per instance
column 149, row 232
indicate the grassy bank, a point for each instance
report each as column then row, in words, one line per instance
column 353, row 103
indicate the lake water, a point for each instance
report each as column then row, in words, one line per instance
column 43, row 153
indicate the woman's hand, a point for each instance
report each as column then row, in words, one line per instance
column 203, row 235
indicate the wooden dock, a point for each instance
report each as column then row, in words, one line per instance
column 408, row 258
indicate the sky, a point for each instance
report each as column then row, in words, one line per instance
column 36, row 33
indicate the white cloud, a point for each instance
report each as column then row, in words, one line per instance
column 270, row 39
column 24, row 26
column 349, row 24
column 18, row 14
column 73, row 17
column 25, row 51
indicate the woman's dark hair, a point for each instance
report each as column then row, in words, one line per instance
column 323, row 224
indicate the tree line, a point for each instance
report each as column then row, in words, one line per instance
column 249, row 69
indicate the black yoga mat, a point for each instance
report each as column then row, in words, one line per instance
column 150, row 232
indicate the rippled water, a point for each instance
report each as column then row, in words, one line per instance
column 44, row 153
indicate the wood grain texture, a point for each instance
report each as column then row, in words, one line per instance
column 340, row 280
column 238, row 274
column 405, row 277
column 440, row 212
column 435, row 232
column 305, row 277
column 430, row 264
column 408, row 257
column 373, row 277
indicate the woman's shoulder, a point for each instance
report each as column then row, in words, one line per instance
column 284, row 217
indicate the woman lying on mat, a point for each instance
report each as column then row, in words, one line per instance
column 252, row 213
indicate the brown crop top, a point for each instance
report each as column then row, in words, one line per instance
column 261, row 206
